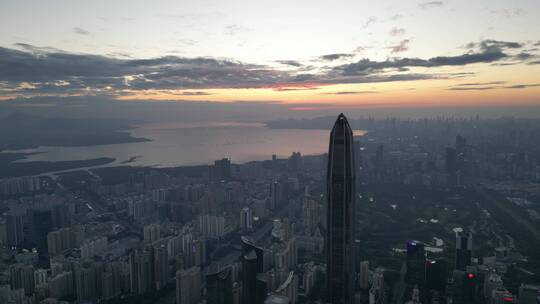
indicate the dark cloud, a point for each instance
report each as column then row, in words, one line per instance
column 537, row 44
column 524, row 56
column 26, row 72
column 471, row 88
column 396, row 17
column 196, row 93
column 98, row 72
column 480, row 83
column 300, row 88
column 34, row 64
column 534, row 62
column 431, row 4
column 331, row 57
column 36, row 49
column 523, row 86
column 465, row 59
column 375, row 78
column 30, row 70
column 470, row 45
column 490, row 86
column 395, row 32
column 80, row 31
column 505, row 63
column 293, row 63
column 490, row 45
column 36, row 72
column 350, row 92
column 366, row 66
column 462, row 74
column 401, row 47
column 497, row 45
column 303, row 78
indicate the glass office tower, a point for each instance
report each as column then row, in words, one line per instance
column 340, row 221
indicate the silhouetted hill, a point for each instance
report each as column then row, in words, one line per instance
column 22, row 131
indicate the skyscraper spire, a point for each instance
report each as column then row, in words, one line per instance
column 341, row 193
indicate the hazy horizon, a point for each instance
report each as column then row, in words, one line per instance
column 241, row 111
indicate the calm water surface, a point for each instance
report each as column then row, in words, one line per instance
column 176, row 144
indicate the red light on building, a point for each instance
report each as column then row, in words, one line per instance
column 508, row 299
column 470, row 275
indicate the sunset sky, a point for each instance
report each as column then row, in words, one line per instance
column 317, row 53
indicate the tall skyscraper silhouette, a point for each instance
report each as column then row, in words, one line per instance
column 252, row 264
column 340, row 214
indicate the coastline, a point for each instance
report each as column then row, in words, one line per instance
column 19, row 169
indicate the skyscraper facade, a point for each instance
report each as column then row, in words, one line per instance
column 161, row 269
column 252, row 264
column 416, row 268
column 222, row 169
column 151, row 233
column 436, row 275
column 219, row 286
column 340, row 221
column 188, row 286
column 15, row 229
column 463, row 250
column 363, row 279
column 246, row 219
column 465, row 284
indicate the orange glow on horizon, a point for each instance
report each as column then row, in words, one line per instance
column 395, row 97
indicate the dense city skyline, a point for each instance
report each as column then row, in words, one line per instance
column 440, row 210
